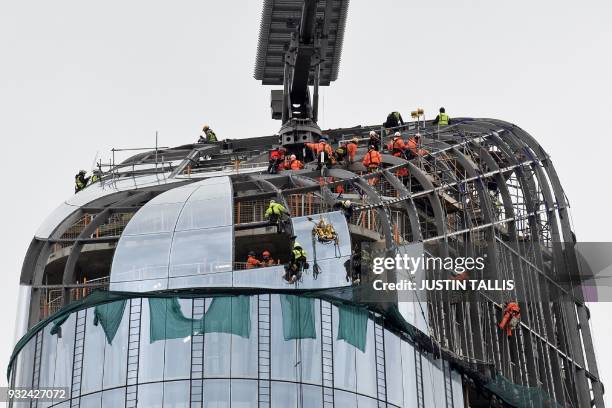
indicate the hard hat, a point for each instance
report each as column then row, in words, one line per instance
column 251, row 253
column 417, row 135
column 372, row 147
column 397, row 134
column 372, row 133
column 82, row 172
column 347, row 203
column 265, row 253
column 297, row 245
column 354, row 140
column 272, row 201
column 293, row 157
column 206, row 127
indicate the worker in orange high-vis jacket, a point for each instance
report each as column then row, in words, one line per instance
column 292, row 163
column 413, row 146
column 510, row 318
column 322, row 151
column 351, row 149
column 372, row 161
column 252, row 261
column 396, row 145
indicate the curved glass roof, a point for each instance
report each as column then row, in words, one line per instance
column 186, row 231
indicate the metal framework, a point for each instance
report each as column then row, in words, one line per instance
column 486, row 187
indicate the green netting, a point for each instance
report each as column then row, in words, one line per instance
column 229, row 315
column 298, row 317
column 353, row 326
column 168, row 322
column 225, row 315
column 109, row 315
column 520, row 396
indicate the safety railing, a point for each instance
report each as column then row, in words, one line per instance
column 52, row 296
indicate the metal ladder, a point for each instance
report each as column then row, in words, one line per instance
column 448, row 384
column 133, row 357
column 418, row 368
column 77, row 358
column 264, row 349
column 37, row 360
column 197, row 358
column 327, row 354
column 381, row 380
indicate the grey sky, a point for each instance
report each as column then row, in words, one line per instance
column 80, row 77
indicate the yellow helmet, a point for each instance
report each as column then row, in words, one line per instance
column 206, row 127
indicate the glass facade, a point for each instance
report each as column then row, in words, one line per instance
column 185, row 238
column 228, row 368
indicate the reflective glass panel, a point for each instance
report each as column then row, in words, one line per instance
column 457, row 388
column 25, row 365
column 154, row 218
column 409, row 375
column 65, row 349
column 141, row 257
column 217, row 348
column 47, row 359
column 244, row 351
column 283, row 352
column 344, row 359
column 312, row 396
column 284, row 395
column 176, row 394
column 151, row 362
column 178, row 351
column 366, row 365
column 151, row 395
column 393, row 368
column 93, row 356
column 91, row 400
column 217, row 394
column 206, row 214
column 115, row 355
column 201, row 251
column 365, row 402
column 113, row 398
column 244, row 394
column 310, row 352
column 344, row 399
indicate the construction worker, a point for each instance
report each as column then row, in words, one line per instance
column 372, row 161
column 97, row 174
column 374, row 140
column 276, row 158
column 266, row 260
column 252, row 261
column 207, row 136
column 414, row 149
column 276, row 213
column 80, row 181
column 340, row 154
column 396, row 145
column 322, row 151
column 394, row 119
column 297, row 263
column 442, row 119
column 353, row 267
column 351, row 149
column 511, row 317
column 346, row 207
column 293, row 163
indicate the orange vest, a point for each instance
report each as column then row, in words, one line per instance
column 295, row 165
column 372, row 159
column 320, row 147
column 252, row 262
column 395, row 146
column 351, row 149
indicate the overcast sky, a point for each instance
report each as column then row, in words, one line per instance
column 78, row 78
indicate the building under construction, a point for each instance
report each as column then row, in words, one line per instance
column 136, row 291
